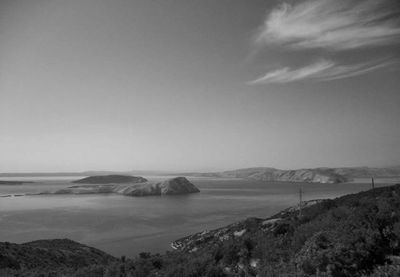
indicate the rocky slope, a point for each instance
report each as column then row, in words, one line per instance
column 178, row 185
column 208, row 238
column 354, row 235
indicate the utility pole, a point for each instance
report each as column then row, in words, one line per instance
column 300, row 201
column 373, row 186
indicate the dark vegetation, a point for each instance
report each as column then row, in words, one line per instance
column 354, row 235
column 108, row 179
column 49, row 258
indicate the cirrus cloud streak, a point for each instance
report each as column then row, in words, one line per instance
column 332, row 24
column 320, row 71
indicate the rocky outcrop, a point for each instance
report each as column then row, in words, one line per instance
column 110, row 179
column 178, row 185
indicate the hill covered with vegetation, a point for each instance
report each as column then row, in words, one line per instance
column 354, row 235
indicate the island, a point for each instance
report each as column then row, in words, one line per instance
column 138, row 186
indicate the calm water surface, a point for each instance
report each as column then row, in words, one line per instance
column 124, row 225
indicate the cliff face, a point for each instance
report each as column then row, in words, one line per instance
column 178, row 185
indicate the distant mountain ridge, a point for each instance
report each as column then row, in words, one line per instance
column 312, row 175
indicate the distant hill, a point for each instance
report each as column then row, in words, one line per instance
column 111, row 179
column 368, row 172
column 312, row 175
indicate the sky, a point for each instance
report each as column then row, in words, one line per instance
column 198, row 85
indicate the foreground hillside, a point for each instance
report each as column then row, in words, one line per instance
column 354, row 235
column 312, row 175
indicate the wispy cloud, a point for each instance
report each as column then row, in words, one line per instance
column 320, row 71
column 332, row 24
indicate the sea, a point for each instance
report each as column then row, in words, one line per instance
column 123, row 225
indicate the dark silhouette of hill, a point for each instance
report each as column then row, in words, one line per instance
column 14, row 182
column 110, row 179
column 49, row 256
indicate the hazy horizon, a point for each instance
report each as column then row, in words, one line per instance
column 161, row 171
column 198, row 85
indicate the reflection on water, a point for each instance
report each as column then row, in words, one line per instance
column 124, row 225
